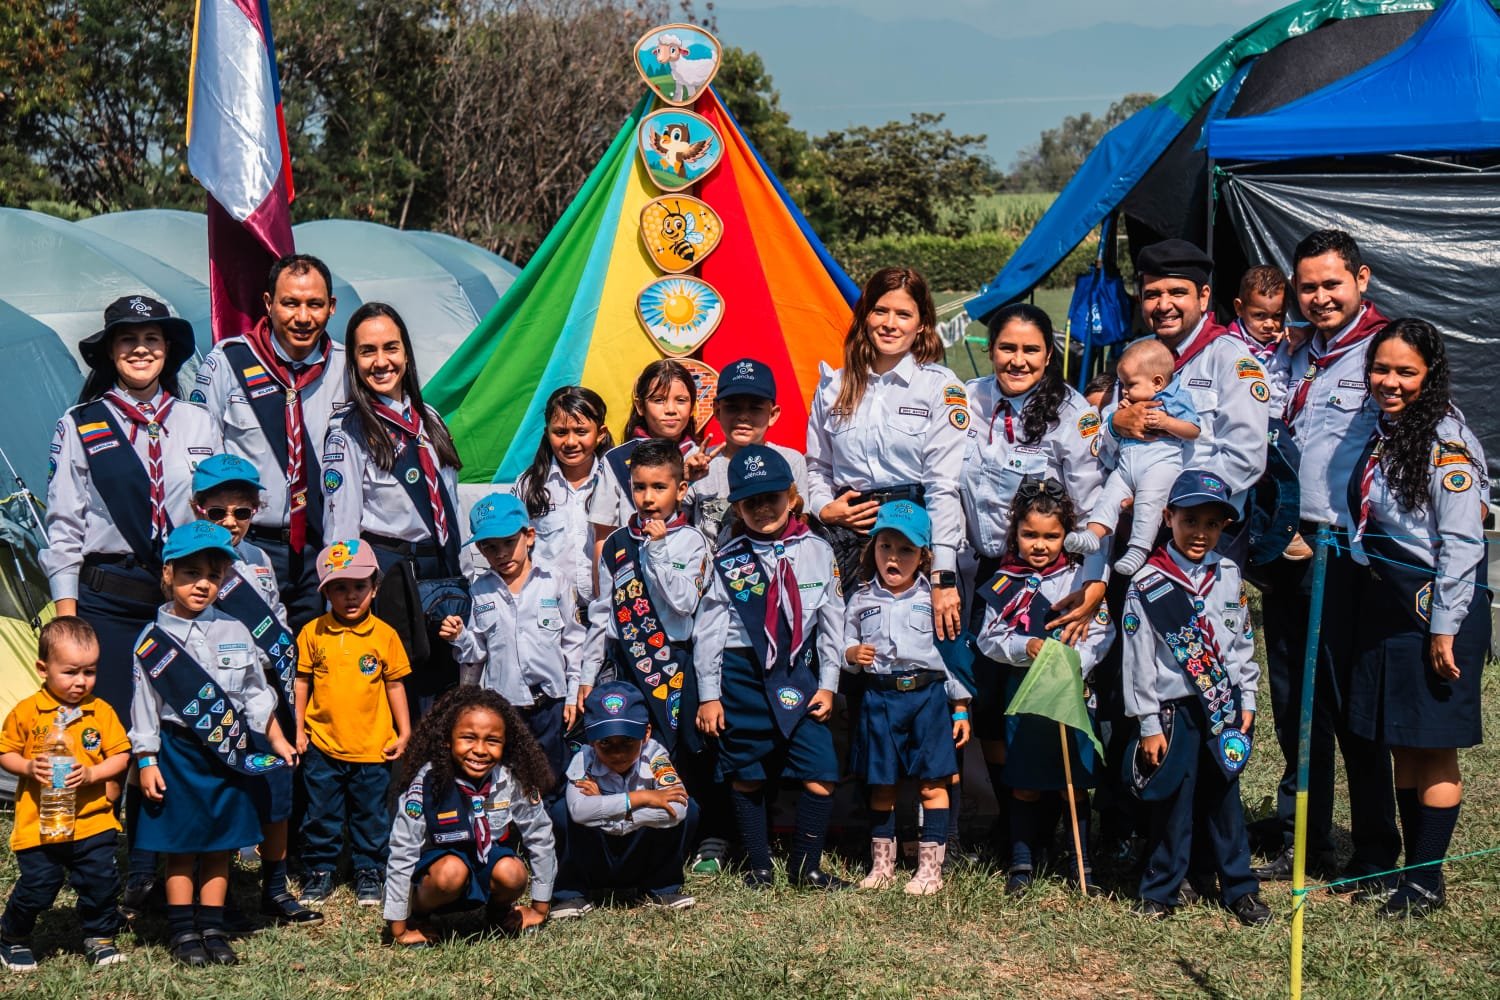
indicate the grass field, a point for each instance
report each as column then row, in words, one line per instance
column 969, row 941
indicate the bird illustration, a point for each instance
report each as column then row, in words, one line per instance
column 676, row 150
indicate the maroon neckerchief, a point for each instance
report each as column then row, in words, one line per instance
column 1369, row 323
column 153, row 418
column 678, row 520
column 410, row 426
column 1367, row 479
column 1261, row 352
column 294, row 380
column 1207, row 334
column 1017, row 613
column 478, row 818
column 783, row 597
column 1162, row 560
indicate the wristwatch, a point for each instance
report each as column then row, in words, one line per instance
column 945, row 578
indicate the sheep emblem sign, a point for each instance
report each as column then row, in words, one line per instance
column 678, row 147
column 678, row 61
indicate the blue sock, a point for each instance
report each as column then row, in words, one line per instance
column 883, row 824
column 273, row 878
column 1434, row 833
column 179, row 919
column 1409, row 806
column 1023, row 824
column 750, row 816
column 813, row 811
column 934, row 826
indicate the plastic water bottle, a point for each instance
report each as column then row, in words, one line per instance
column 58, row 805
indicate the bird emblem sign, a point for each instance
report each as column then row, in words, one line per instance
column 678, row 61
column 679, row 313
column 679, row 231
column 678, row 148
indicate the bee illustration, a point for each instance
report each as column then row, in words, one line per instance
column 680, row 229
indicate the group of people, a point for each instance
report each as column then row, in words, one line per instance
column 265, row 579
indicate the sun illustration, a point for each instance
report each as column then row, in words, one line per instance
column 680, row 312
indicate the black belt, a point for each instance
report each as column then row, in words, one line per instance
column 264, row 534
column 401, row 548
column 915, row 681
column 915, row 492
column 94, row 578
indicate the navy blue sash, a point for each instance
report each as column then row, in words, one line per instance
column 790, row 681
column 1175, row 617
column 268, row 402
column 408, row 471
column 450, row 813
column 618, row 459
column 206, row 710
column 120, row 478
column 240, row 599
column 643, row 653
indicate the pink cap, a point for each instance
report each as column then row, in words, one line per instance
column 351, row 560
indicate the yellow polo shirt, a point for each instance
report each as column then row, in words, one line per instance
column 348, row 712
column 95, row 735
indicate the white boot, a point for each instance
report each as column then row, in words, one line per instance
column 882, row 864
column 929, row 876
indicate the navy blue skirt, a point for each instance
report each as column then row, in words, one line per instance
column 477, row 892
column 1394, row 696
column 207, row 806
column 1033, row 751
column 904, row 734
column 988, row 706
column 751, row 747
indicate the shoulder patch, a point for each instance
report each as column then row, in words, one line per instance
column 1088, row 424
column 955, row 395
column 1103, row 615
column 1450, row 453
column 958, row 416
column 1260, row 391
column 1457, row 481
column 413, row 807
column 1248, row 368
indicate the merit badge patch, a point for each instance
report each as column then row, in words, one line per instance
column 332, row 480
column 91, row 739
column 789, row 697
column 1457, row 481
column 1260, row 391
column 954, row 395
column 1103, row 616
column 1088, row 425
column 1132, row 622
column 368, row 665
column 413, row 808
column 1450, row 453
column 1424, row 602
column 1247, row 368
column 959, row 417
column 412, row 475
column 613, row 703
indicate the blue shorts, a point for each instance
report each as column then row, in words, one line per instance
column 904, row 734
column 751, row 747
column 477, row 892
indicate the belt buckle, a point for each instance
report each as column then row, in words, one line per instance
column 907, row 683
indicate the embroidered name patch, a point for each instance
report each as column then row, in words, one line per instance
column 913, row 411
column 1201, row 383
column 1351, row 383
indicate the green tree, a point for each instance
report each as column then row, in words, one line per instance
column 1055, row 158
column 901, row 177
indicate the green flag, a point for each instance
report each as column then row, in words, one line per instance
column 1053, row 689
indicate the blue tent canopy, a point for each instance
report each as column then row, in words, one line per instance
column 1436, row 93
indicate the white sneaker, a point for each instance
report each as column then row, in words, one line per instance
column 570, row 909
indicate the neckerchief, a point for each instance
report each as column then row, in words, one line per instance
column 1376, row 449
column 206, row 710
column 477, row 796
column 784, row 598
column 1162, row 560
column 153, row 419
column 1366, row 325
column 1207, row 334
column 676, row 521
column 1016, row 607
column 1003, row 408
column 408, row 428
column 294, row 379
column 1261, row 352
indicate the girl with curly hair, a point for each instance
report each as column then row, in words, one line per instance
column 1417, row 500
column 472, row 777
column 1017, row 606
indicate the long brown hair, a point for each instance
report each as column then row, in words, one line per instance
column 859, row 349
column 657, row 377
column 377, row 438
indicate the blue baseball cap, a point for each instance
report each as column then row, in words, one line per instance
column 216, row 470
column 906, row 517
column 1195, row 488
column 747, row 377
column 615, row 709
column 198, row 536
column 756, row 469
column 499, row 515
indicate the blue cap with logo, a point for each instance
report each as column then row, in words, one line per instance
column 615, row 709
column 906, row 517
column 1194, row 488
column 198, row 536
column 756, row 469
column 216, row 470
column 747, row 377
column 498, row 515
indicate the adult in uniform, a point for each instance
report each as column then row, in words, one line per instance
column 1417, row 502
column 121, row 478
column 270, row 393
column 1320, row 385
column 390, row 476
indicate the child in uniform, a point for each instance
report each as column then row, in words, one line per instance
column 745, row 407
column 226, row 491
column 352, row 722
column 1142, row 470
column 1260, row 311
column 904, row 727
column 522, row 638
column 768, row 638
column 204, row 731
column 1190, row 680
column 1035, row 574
column 473, row 772
column 68, row 660
column 627, row 823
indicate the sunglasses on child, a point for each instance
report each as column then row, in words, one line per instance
column 220, row 513
column 1034, row 486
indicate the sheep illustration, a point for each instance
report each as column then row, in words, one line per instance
column 688, row 75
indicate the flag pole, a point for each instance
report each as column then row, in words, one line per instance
column 1304, row 753
column 1062, row 734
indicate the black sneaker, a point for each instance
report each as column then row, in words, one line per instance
column 1250, row 911
column 760, row 878
column 368, row 886
column 1150, row 909
column 317, row 887
column 1017, row 882
column 102, row 951
column 1186, row 895
column 1278, row 869
column 16, row 956
column 136, row 898
column 284, row 909
column 1411, row 902
column 670, row 900
column 569, row 909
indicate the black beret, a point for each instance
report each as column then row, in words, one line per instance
column 1174, row 259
